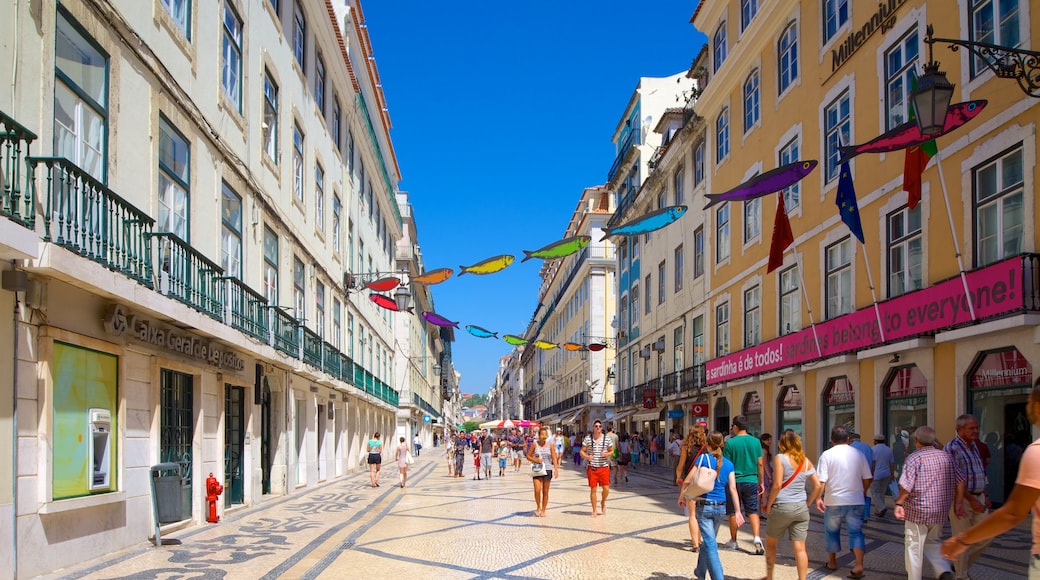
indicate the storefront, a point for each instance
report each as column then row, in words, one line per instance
column 906, row 407
column 839, row 407
column 999, row 383
column 722, row 421
column 752, row 409
column 789, row 409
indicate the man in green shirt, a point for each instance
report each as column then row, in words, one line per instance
column 745, row 451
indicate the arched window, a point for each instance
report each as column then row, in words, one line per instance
column 751, row 100
column 787, row 57
column 719, row 47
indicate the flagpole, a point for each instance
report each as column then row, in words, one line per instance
column 953, row 232
column 805, row 294
column 873, row 292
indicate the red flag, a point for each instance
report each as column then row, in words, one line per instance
column 916, row 160
column 782, row 236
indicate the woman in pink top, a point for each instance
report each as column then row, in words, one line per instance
column 401, row 455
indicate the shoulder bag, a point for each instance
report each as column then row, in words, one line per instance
column 795, row 474
column 701, row 480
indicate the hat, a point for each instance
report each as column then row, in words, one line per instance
column 879, row 437
column 904, row 434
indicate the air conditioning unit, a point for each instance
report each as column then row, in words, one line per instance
column 659, row 345
column 645, row 353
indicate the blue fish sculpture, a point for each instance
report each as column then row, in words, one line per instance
column 480, row 332
column 647, row 223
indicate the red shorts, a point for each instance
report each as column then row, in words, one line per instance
column 598, row 476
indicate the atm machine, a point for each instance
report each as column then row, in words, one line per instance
column 99, row 448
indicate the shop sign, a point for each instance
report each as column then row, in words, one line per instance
column 907, row 382
column 675, row 414
column 426, row 419
column 118, row 322
column 994, row 290
column 792, row 399
column 649, row 398
column 699, row 409
column 840, row 392
column 883, row 19
column 1002, row 369
column 752, row 403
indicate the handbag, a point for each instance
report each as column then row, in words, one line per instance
column 408, row 459
column 537, row 469
column 701, row 480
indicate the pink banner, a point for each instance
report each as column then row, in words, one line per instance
column 995, row 290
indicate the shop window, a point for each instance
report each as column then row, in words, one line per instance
column 752, row 409
column 839, row 407
column 789, row 409
column 905, row 392
column 722, row 415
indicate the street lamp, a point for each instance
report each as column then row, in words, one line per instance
column 402, row 290
column 931, row 96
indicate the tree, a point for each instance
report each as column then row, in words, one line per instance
column 470, row 426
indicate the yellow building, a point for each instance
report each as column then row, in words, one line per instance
column 935, row 315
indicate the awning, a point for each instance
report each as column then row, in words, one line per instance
column 624, row 415
column 574, row 419
column 549, row 419
column 648, row 416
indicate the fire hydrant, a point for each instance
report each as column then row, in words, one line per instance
column 213, row 490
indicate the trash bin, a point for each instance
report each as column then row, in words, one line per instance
column 166, row 495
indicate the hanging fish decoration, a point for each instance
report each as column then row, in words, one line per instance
column 559, row 249
column 433, row 276
column 386, row 302
column 573, row 346
column 480, row 332
column 766, row 183
column 384, row 284
column 597, row 346
column 647, row 223
column 909, row 134
column 546, row 345
column 488, row 266
column 438, row 320
column 514, row 340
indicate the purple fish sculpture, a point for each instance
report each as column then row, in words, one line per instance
column 438, row 320
column 766, row 183
column 909, row 134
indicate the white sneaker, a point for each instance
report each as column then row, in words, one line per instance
column 759, row 548
column 730, row 545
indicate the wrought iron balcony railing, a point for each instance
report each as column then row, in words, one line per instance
column 330, row 361
column 285, row 334
column 184, row 274
column 244, row 308
column 15, row 203
column 312, row 347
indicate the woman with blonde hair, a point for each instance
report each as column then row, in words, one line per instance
column 692, row 446
column 711, row 507
column 401, row 456
column 543, row 452
column 788, row 503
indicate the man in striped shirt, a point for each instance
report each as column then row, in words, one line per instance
column 597, row 449
column 966, row 455
column 930, row 483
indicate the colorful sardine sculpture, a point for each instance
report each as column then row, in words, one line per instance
column 559, row 249
column 573, row 346
column 909, row 134
column 488, row 266
column 480, row 332
column 766, row 183
column 597, row 346
column 386, row 302
column 384, row 284
column 514, row 340
column 647, row 223
column 433, row 276
column 546, row 345
column 438, row 320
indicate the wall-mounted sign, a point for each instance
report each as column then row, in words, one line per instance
column 426, row 419
column 118, row 322
column 883, row 19
column 675, row 414
column 699, row 409
column 649, row 398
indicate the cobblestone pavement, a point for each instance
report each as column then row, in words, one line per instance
column 445, row 527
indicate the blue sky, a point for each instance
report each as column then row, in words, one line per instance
column 502, row 114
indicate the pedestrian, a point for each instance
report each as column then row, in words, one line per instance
column 487, row 445
column 615, row 444
column 692, row 446
column 417, row 444
column 930, row 484
column 503, row 456
column 766, row 439
column 543, row 453
column 624, row 457
column 559, row 442
column 846, row 477
column 788, row 502
column 596, row 449
column 635, row 449
column 475, row 450
column 516, row 448
column 711, row 507
column 459, row 454
column 976, row 499
column 868, row 453
column 401, row 456
column 653, row 449
column 375, row 458
column 449, row 453
column 884, row 465
column 745, row 451
column 674, row 451
column 1024, row 498
column 576, row 449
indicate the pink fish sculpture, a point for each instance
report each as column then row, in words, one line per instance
column 385, row 302
column 766, row 183
column 909, row 134
column 438, row 320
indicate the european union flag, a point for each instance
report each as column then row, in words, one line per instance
column 846, row 200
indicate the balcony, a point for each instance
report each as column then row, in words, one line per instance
column 284, row 334
column 312, row 347
column 633, row 138
column 244, row 308
column 330, row 360
column 89, row 219
column 14, row 146
column 184, row 274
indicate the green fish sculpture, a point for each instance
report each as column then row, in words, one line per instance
column 560, row 249
column 488, row 266
column 514, row 340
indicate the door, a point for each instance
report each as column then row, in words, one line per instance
column 176, row 429
column 265, row 438
column 234, row 444
column 319, row 438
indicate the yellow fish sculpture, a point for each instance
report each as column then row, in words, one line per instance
column 488, row 266
column 546, row 345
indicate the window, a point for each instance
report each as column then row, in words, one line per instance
column 337, row 122
column 319, row 309
column 677, row 186
column 297, row 160
column 270, row 122
column 337, row 208
column 904, row 251
column 337, row 327
column 900, row 67
column 350, row 245
column 839, row 278
column 752, row 316
column 231, row 232
column 635, row 301
column 319, row 198
column 752, row 219
column 722, row 329
column 624, row 312
column 793, row 193
column 662, row 282
column 698, row 164
column 719, row 47
column 787, row 57
column 722, row 136
column 678, row 268
column 751, row 101
column 299, row 288
column 319, row 83
column 277, row 5
column 698, row 252
column 80, row 98
column 270, row 266
column 698, row 340
column 647, row 285
column 1001, row 28
column 835, row 15
column 231, row 67
column 748, row 9
column 722, row 234
column 350, row 153
column 299, row 35
column 662, row 199
column 999, row 215
column 174, row 177
column 837, row 129
column 180, row 12
column 790, row 307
